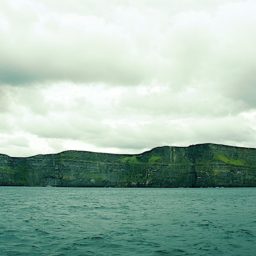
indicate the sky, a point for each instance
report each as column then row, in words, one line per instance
column 126, row 76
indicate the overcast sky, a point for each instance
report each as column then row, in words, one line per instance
column 126, row 76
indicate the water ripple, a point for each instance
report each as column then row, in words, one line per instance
column 102, row 222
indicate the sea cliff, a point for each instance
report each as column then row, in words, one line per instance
column 202, row 165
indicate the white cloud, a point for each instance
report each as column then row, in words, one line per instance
column 126, row 43
column 63, row 116
column 124, row 76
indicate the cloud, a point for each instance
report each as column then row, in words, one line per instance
column 65, row 46
column 125, row 76
column 118, row 119
column 126, row 43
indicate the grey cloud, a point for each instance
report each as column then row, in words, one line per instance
column 54, row 46
column 128, row 43
column 104, row 118
column 121, row 75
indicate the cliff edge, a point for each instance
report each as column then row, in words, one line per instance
column 202, row 165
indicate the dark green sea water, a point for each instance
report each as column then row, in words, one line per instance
column 107, row 221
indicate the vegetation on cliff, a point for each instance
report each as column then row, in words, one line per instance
column 202, row 165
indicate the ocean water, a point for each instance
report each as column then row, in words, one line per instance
column 136, row 221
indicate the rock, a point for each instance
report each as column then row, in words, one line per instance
column 202, row 165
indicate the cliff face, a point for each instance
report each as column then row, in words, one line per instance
column 203, row 165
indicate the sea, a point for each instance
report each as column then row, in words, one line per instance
column 127, row 221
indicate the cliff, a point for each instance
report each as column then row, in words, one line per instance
column 202, row 165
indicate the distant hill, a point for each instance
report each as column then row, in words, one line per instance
column 202, row 165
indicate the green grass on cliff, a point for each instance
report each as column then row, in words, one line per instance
column 227, row 160
column 130, row 160
column 154, row 159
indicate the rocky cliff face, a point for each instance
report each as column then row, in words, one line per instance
column 203, row 165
